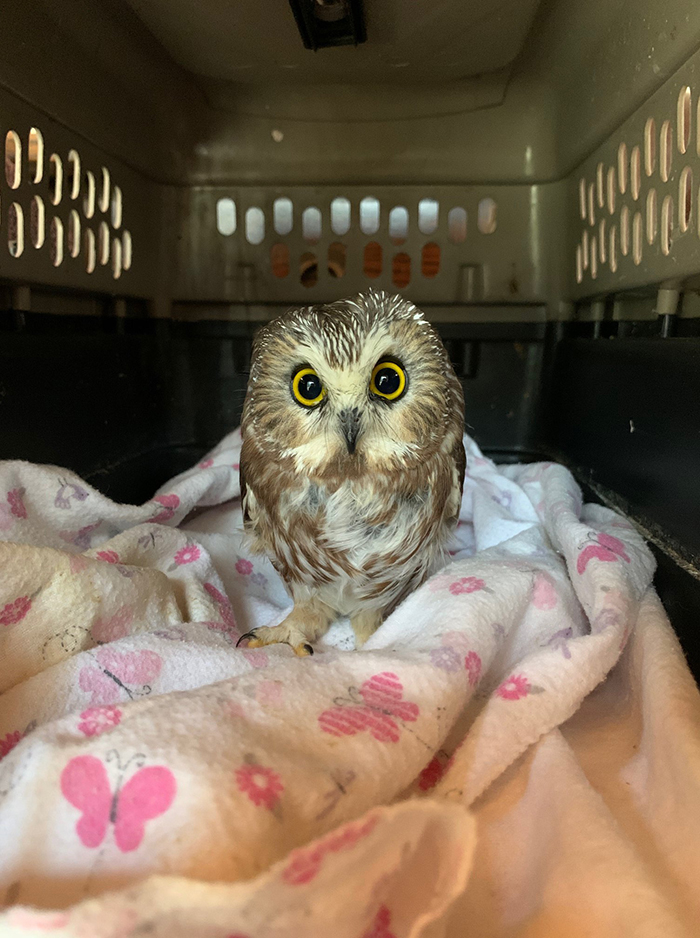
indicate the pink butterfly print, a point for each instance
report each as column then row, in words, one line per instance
column 110, row 628
column 81, row 538
column 66, row 492
column 118, row 671
column 604, row 547
column 375, row 707
column 146, row 795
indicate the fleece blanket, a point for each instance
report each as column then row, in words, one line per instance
column 514, row 752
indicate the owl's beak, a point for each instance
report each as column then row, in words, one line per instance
column 350, row 426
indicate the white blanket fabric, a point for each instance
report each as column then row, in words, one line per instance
column 477, row 768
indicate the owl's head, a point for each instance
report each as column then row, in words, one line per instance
column 361, row 384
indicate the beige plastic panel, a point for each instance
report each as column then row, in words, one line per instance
column 509, row 257
column 36, row 249
column 633, row 205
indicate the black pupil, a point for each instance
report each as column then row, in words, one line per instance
column 310, row 387
column 387, row 380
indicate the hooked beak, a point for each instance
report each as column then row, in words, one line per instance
column 350, row 426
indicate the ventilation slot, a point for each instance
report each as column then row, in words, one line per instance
column 372, row 265
column 651, row 216
column 582, row 198
column 279, row 260
column 311, row 225
column 428, row 216
column 602, row 241
column 226, row 216
column 683, row 118
column 486, row 217
column 611, row 190
column 457, row 222
column 15, row 230
column 105, row 190
column 666, row 225
column 13, row 161
column 401, row 270
column 666, row 148
column 73, row 233
column 103, row 244
column 398, row 224
column 612, row 252
column 622, row 168
column 579, row 264
column 340, row 216
column 369, row 216
column 430, row 260
column 56, row 178
column 56, row 242
column 127, row 250
column 637, row 238
column 635, row 172
column 74, row 170
column 625, row 230
column 116, row 258
column 254, row 225
column 117, row 209
column 37, row 221
column 336, row 259
column 308, row 270
column 685, row 198
column 89, row 197
column 283, row 217
column 90, row 251
column 35, row 155
column 591, row 205
column 594, row 257
column 600, row 190
column 650, row 146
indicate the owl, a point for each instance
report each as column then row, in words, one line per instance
column 352, row 461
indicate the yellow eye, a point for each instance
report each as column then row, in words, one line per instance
column 307, row 388
column 388, row 381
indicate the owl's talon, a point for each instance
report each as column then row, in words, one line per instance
column 248, row 636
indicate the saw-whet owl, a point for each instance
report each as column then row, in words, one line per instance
column 352, row 462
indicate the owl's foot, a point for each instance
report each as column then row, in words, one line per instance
column 305, row 623
column 275, row 635
column 364, row 624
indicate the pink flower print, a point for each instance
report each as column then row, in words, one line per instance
column 256, row 657
column 244, row 567
column 380, row 925
column 14, row 612
column 187, row 554
column 605, row 547
column 517, row 686
column 15, row 501
column 109, row 556
column 86, row 785
column 206, row 463
column 9, row 743
column 544, row 594
column 223, row 605
column 169, row 503
column 235, row 466
column 115, row 673
column 468, row 584
column 472, row 665
column 375, row 707
column 260, row 784
column 81, row 538
column 78, row 563
column 97, row 720
column 305, row 863
column 110, row 628
column 446, row 659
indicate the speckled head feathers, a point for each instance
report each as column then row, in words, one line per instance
column 343, row 342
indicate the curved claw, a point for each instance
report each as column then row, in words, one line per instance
column 248, row 635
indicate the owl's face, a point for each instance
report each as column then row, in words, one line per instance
column 362, row 384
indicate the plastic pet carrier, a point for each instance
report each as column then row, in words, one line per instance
column 177, row 174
